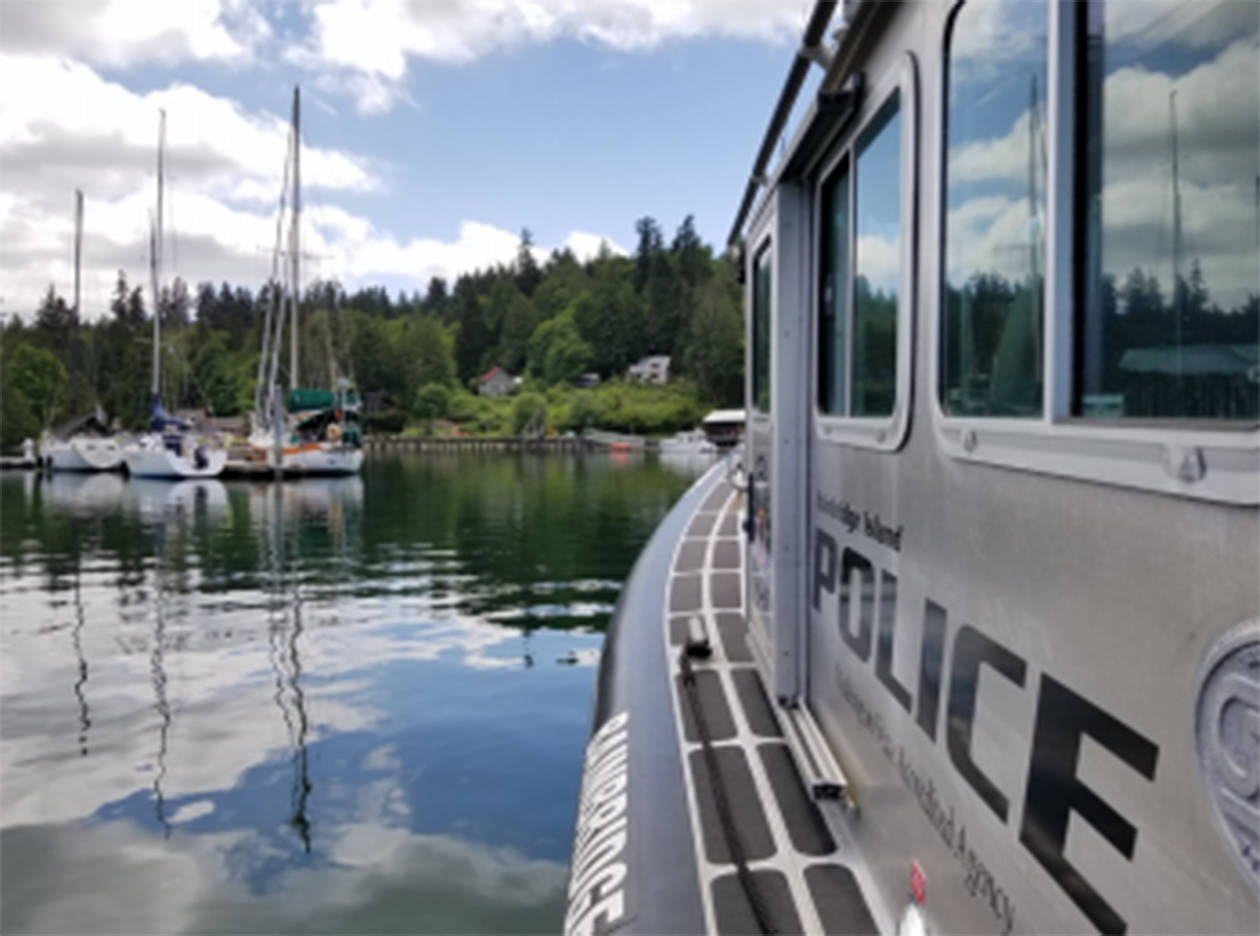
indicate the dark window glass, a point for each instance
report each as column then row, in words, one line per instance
column 861, row 270
column 1170, row 323
column 834, row 292
column 995, row 185
column 762, row 288
column 878, row 263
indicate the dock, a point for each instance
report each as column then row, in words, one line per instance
column 18, row 461
column 476, row 444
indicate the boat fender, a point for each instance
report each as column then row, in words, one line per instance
column 334, row 432
column 199, row 457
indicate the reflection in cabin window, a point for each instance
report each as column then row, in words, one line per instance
column 995, row 186
column 761, row 330
column 834, row 292
column 861, row 219
column 1171, row 249
column 878, row 263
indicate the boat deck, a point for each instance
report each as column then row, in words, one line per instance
column 793, row 863
column 754, row 853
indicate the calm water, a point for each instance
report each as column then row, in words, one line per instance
column 354, row 705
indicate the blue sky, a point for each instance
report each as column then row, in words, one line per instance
column 432, row 131
column 553, row 137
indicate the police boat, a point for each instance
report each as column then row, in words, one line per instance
column 966, row 638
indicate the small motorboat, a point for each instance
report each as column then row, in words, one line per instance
column 690, row 442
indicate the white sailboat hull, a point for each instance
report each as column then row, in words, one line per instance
column 310, row 458
column 153, row 460
column 324, row 458
column 84, row 453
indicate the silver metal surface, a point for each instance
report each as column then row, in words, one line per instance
column 998, row 579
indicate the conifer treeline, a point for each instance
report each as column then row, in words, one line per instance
column 553, row 321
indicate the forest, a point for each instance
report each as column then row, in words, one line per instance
column 414, row 358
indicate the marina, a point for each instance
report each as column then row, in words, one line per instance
column 872, row 546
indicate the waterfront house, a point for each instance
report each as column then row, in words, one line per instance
column 496, row 382
column 652, row 369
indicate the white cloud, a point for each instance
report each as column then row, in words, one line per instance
column 586, row 246
column 879, row 260
column 1218, row 125
column 363, row 46
column 224, row 167
column 119, row 33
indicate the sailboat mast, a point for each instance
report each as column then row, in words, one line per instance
column 1176, row 207
column 294, row 246
column 78, row 256
column 275, row 308
column 155, row 261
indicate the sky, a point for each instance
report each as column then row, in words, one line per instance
column 433, row 131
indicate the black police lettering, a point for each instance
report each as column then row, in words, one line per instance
column 824, row 565
column 1054, row 791
column 853, row 561
column 931, row 653
column 973, row 649
column 884, row 645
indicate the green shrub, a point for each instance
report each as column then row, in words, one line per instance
column 528, row 410
column 583, row 411
column 461, row 407
column 386, row 422
column 432, row 401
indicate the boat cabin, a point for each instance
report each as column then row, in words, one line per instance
column 981, row 580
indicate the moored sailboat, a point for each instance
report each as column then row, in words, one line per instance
column 169, row 449
column 84, row 443
column 318, row 432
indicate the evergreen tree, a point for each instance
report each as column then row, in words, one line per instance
column 526, row 267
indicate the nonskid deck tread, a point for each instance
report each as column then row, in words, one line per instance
column 792, row 860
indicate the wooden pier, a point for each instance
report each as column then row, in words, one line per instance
column 475, row 444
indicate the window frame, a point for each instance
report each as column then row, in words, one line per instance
column 882, row 433
column 1190, row 458
column 765, row 248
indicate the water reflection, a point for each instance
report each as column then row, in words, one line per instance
column 282, row 649
column 85, row 720
column 82, row 494
column 160, row 705
column 348, row 705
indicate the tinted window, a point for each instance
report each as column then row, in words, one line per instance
column 834, row 292
column 761, row 331
column 860, row 242
column 878, row 264
column 995, row 185
column 1170, row 324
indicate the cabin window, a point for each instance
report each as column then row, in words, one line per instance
column 834, row 292
column 861, row 273
column 995, row 208
column 1168, row 104
column 762, row 291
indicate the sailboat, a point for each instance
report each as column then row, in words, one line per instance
column 84, row 443
column 169, row 449
column 318, row 432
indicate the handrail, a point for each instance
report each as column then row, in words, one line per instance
column 809, row 52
